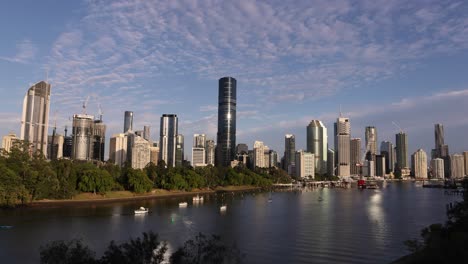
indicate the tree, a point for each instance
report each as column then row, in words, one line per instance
column 72, row 252
column 93, row 179
column 11, row 188
column 206, row 250
column 138, row 181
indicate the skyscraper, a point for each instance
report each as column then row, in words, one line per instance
column 387, row 149
column 465, row 157
column 342, row 149
column 259, row 154
column 147, row 133
column 380, row 165
column 437, row 167
column 118, row 149
column 226, row 136
column 331, row 162
column 439, row 138
column 140, row 153
column 82, row 147
column 457, row 166
column 199, row 141
column 317, row 143
column 401, row 150
column 305, row 164
column 371, row 141
column 289, row 151
column 355, row 156
column 419, row 160
column 179, row 150
column 168, row 139
column 98, row 140
column 210, row 152
column 128, row 121
column 242, row 149
column 35, row 118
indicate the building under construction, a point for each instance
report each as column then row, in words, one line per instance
column 88, row 138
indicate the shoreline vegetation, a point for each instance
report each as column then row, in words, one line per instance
column 29, row 179
column 123, row 196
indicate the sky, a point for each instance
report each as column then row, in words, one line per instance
column 378, row 61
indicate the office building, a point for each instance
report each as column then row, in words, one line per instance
column 259, row 154
column 439, row 139
column 55, row 146
column 35, row 117
column 140, row 153
column 67, row 145
column 437, row 167
column 419, row 164
column 154, row 155
column 199, row 140
column 331, row 162
column 226, row 136
column 355, row 156
column 305, row 164
column 128, row 121
column 401, row 150
column 198, row 157
column 82, row 147
column 179, row 150
column 118, row 149
column 371, row 141
column 317, row 143
column 342, row 147
column 368, row 168
column 457, row 166
column 99, row 139
column 380, row 165
column 147, row 133
column 168, row 139
column 289, row 151
column 387, row 149
column 210, row 152
column 9, row 141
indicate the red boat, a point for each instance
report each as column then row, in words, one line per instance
column 361, row 184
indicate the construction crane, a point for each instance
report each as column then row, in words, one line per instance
column 395, row 124
column 100, row 112
column 85, row 103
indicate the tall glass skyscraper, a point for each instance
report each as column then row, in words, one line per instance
column 226, row 136
column 401, row 150
column 35, row 119
column 317, row 143
column 371, row 141
column 128, row 121
column 342, row 147
column 289, row 151
column 168, row 139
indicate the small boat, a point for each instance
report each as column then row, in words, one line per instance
column 142, row 210
column 184, row 204
column 6, row 227
column 198, row 198
column 320, row 199
column 223, row 208
column 372, row 186
column 270, row 200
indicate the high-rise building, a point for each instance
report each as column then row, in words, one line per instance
column 273, row 158
column 289, row 151
column 419, row 164
column 198, row 157
column 355, row 156
column 199, row 140
column 154, row 155
column 35, row 118
column 401, row 150
column 180, row 150
column 259, row 154
column 437, row 167
column 305, row 164
column 457, row 166
column 210, row 152
column 380, row 165
column 82, row 147
column 128, row 121
column 8, row 141
column 387, row 149
column 371, row 141
column 168, row 139
column 118, row 149
column 99, row 139
column 242, row 149
column 140, row 153
column 147, row 133
column 331, row 162
column 317, row 143
column 55, row 146
column 226, row 136
column 439, row 139
column 67, row 145
column 342, row 149
column 465, row 157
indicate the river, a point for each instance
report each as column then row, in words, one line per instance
column 346, row 226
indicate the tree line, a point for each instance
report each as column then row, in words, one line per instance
column 25, row 178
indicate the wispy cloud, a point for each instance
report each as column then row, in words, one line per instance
column 25, row 52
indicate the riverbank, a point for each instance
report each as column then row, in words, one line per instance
column 122, row 196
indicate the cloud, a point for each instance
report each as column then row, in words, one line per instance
column 26, row 52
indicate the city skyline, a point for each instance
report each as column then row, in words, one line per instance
column 417, row 80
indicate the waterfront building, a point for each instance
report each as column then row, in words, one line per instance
column 371, row 141
column 140, row 153
column 128, row 121
column 198, row 157
column 259, row 154
column 419, row 164
column 118, row 149
column 289, row 151
column 8, row 141
column 154, row 155
column 210, row 152
column 380, row 169
column 35, row 117
column 317, row 143
column 355, row 156
column 457, row 166
column 168, row 139
column 437, row 167
column 401, row 150
column 305, row 164
column 342, row 147
column 331, row 162
column 226, row 135
column 368, row 168
column 387, row 149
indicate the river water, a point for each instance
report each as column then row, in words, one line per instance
column 346, row 226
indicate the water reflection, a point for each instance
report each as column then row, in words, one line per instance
column 377, row 217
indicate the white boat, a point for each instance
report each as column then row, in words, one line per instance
column 142, row 210
column 184, row 204
column 198, row 198
column 223, row 208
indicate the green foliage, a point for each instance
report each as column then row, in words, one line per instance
column 11, row 188
column 94, row 179
column 138, row 181
column 72, row 252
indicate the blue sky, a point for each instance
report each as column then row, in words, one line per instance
column 382, row 61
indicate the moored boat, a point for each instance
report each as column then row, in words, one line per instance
column 198, row 198
column 223, row 208
column 184, row 204
column 142, row 210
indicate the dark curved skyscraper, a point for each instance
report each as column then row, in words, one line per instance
column 226, row 136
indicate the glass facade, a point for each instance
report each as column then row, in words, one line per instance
column 226, row 136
